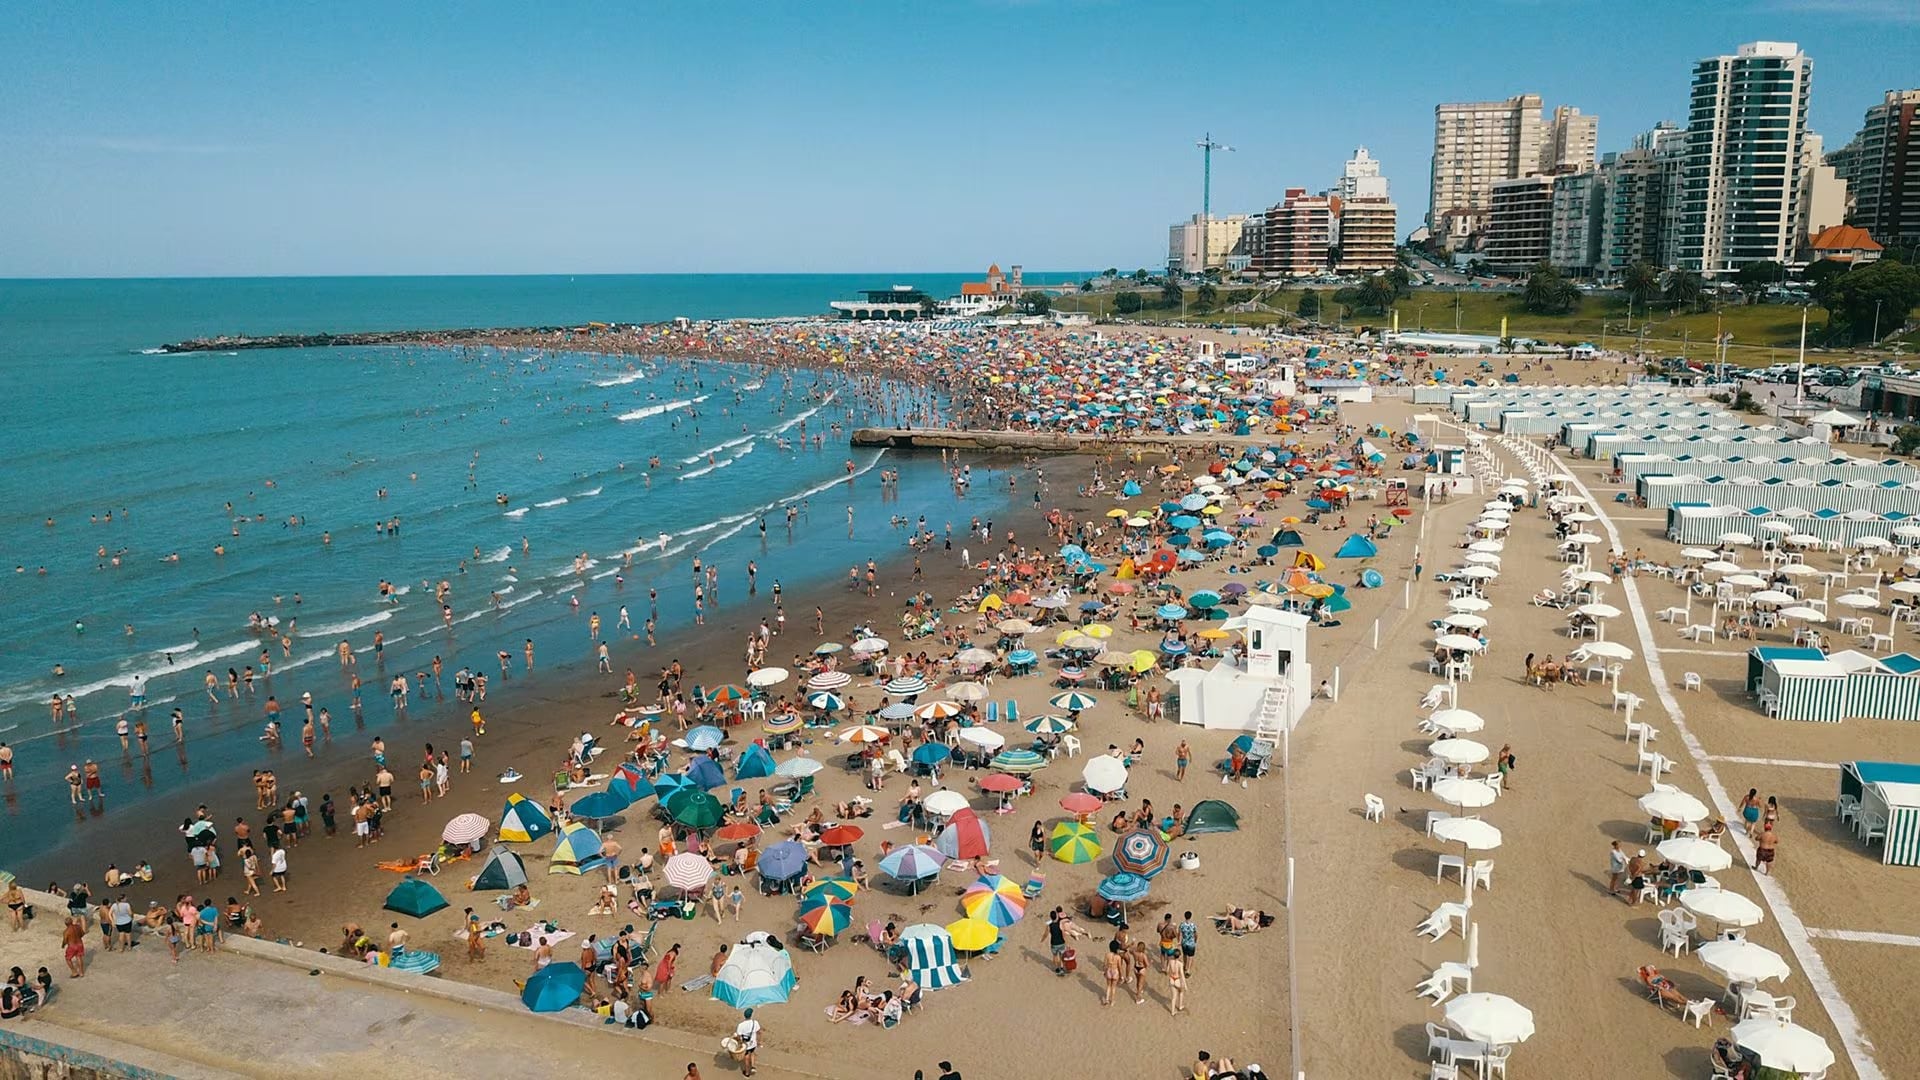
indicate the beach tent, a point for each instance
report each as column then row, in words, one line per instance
column 1127, row 570
column 930, row 958
column 578, row 850
column 1357, row 547
column 1288, row 538
column 754, row 763
column 415, row 897
column 755, row 973
column 1211, row 816
column 522, row 821
column 1307, row 560
column 1889, row 790
column 502, row 870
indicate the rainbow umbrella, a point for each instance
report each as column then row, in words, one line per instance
column 824, row 918
column 1073, row 842
column 840, row 889
column 781, row 723
column 993, row 906
column 1141, row 852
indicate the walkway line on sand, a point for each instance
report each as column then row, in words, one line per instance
column 1871, row 937
column 1782, row 762
column 1853, row 1037
column 1701, row 652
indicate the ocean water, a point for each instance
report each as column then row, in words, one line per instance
column 302, row 444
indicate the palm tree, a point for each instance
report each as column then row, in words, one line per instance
column 1682, row 288
column 1641, row 281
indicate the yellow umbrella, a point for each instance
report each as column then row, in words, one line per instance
column 1209, row 510
column 1097, row 630
column 1073, row 842
column 1143, row 660
column 972, row 935
column 1117, row 512
column 992, row 602
column 1317, row 590
column 1213, row 633
column 1062, row 636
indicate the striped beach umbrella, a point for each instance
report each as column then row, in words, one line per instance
column 1124, row 888
column 1073, row 842
column 826, row 701
column 1073, row 701
column 725, row 693
column 842, row 889
column 937, row 710
column 825, row 918
column 912, row 863
column 1141, row 852
column 829, row 680
column 1049, row 725
column 1020, row 761
column 863, row 733
column 688, row 872
column 705, row 737
column 906, row 686
column 781, row 723
column 994, row 906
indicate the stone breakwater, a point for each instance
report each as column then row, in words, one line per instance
column 466, row 336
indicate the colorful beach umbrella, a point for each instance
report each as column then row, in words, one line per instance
column 997, row 907
column 1019, row 762
column 863, row 733
column 844, row 889
column 705, row 737
column 696, row 809
column 829, row 680
column 825, row 701
column 1072, row 842
column 1073, row 701
column 824, row 918
column 1141, row 852
column 912, row 862
column 937, row 710
column 1049, row 725
column 972, row 935
column 725, row 694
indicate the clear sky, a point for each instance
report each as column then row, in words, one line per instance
column 349, row 138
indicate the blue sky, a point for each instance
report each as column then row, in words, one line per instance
column 696, row 137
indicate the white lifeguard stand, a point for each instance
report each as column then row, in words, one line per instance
column 1268, row 690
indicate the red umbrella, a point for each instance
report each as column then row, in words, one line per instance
column 1402, row 512
column 1000, row 782
column 1079, row 802
column 1019, row 596
column 739, row 830
column 841, row 835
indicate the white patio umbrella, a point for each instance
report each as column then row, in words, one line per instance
column 1464, row 793
column 1469, row 603
column 1491, row 1018
column 1495, row 504
column 975, row 657
column 1483, row 558
column 1598, row 611
column 945, row 802
column 1471, row 834
column 1104, row 774
column 1465, row 620
column 1906, row 588
column 984, row 738
column 1770, row 596
column 1743, row 961
column 1491, row 525
column 1461, row 642
column 1723, row 907
column 1457, row 721
column 1671, row 805
column 1583, row 538
column 1737, row 539
column 1459, row 751
column 767, row 676
column 1695, row 853
column 1592, row 577
column 1579, row 517
column 1806, row 613
column 829, row 680
column 1783, row 1045
column 1873, row 543
column 966, row 690
column 1487, row 545
column 1697, row 553
column 1801, row 539
column 870, row 645
column 1744, row 581
column 1775, row 527
column 1014, row 627
column 1721, row 566
column 1859, row 601
column 1480, row 573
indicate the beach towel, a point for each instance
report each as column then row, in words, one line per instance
column 700, row 983
column 590, row 781
column 541, row 937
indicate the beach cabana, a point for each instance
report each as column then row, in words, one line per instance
column 1804, row 690
column 930, row 959
column 523, row 821
column 578, row 850
column 1758, row 656
column 503, row 870
column 415, row 897
column 1889, row 790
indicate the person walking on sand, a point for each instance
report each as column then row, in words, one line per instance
column 1116, row 964
column 748, row 1035
column 1176, row 986
column 1764, row 849
column 73, row 943
column 1750, row 811
column 1182, row 756
column 1616, row 868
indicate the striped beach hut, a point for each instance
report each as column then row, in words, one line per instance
column 1758, row 656
column 1804, row 690
column 1889, row 790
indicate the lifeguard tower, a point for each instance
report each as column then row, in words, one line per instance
column 1264, row 692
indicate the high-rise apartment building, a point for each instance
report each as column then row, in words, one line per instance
column 1569, row 141
column 1361, row 178
column 1884, row 170
column 1579, row 204
column 1741, row 187
column 1368, row 230
column 1299, row 232
column 1226, row 247
column 1475, row 145
column 1519, row 223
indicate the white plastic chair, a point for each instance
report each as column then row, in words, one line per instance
column 1674, row 940
column 1483, row 874
column 1442, row 1070
column 1439, row 985
column 1596, row 671
column 1494, row 1064
column 1070, row 744
column 1419, row 778
column 1450, row 862
column 1846, row 808
column 1441, row 920
column 1690, row 681
column 1438, row 1042
column 1625, row 698
column 1757, row 1003
column 1697, row 1011
column 1376, row 807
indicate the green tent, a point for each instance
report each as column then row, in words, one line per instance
column 415, row 897
column 501, row 870
column 1211, row 816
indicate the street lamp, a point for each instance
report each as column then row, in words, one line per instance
column 1876, row 324
column 1423, row 316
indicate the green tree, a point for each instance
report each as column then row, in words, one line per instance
column 1478, row 268
column 1820, row 277
column 1399, row 280
column 1906, row 439
column 1641, row 282
column 1374, row 295
column 1889, row 290
column 1755, row 278
column 1309, row 306
column 1110, row 272
column 1239, row 296
column 1548, row 293
column 1172, row 295
column 1140, row 276
column 1087, row 285
column 1207, row 294
column 1035, row 302
column 1127, row 303
column 1682, row 288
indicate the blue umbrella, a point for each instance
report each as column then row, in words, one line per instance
column 1170, row 611
column 1072, row 551
column 705, row 774
column 667, row 784
column 911, row 863
column 1193, row 502
column 1184, row 521
column 1192, row 556
column 631, row 787
column 899, row 710
column 1124, row 888
column 1130, row 488
column 783, row 860
column 1169, row 507
column 1204, row 598
column 1173, row 648
column 1179, row 540
column 1218, row 541
column 931, row 753
column 600, row 804
column 554, row 987
column 1022, row 656
column 705, row 737
column 1091, row 605
column 1267, row 551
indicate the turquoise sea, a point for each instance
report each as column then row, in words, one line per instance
column 303, row 443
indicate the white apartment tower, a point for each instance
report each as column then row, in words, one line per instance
column 1741, row 188
column 1569, row 141
column 1361, row 178
column 1475, row 145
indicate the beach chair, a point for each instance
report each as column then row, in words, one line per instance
column 1013, row 711
column 1035, row 882
column 993, row 712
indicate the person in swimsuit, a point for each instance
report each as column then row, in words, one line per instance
column 1750, row 811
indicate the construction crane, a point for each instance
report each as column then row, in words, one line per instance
column 1207, row 147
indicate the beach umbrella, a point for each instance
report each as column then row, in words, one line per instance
column 798, row 767
column 1695, row 854
column 1460, row 642
column 1124, row 888
column 841, row 835
column 705, row 737
column 994, row 899
column 465, row 829
column 705, row 773
column 1721, row 566
column 1205, row 598
column 1014, row 627
column 826, row 701
column 1738, row 539
column 868, row 646
column 896, row 710
column 1472, row 604
column 1049, row 725
column 1082, row 643
column 725, row 694
column 1001, row 783
column 965, row 837
column 554, row 987
column 829, row 680
column 1104, row 774
column 1483, row 558
column 827, row 648
column 842, row 889
column 906, row 686
column 767, row 676
column 598, row 805
column 1770, row 596
column 1022, row 657
column 972, row 935
column 1072, row 842
column 824, row 917
column 1073, row 701
column 1081, row 802
column 937, row 710
column 1490, row 1018
column 984, row 738
column 1598, row 611
column 755, row 974
column 736, row 831
column 1668, row 804
column 1743, row 961
column 1471, row 833
column 1020, row 761
column 967, row 690
column 688, row 872
column 1805, row 614
column 1856, row 600
column 1465, row 620
column 1723, row 907
column 931, row 754
column 944, row 802
column 1592, row 577
column 696, row 809
column 1488, row 546
column 1480, row 573
column 667, row 785
column 863, row 733
column 1457, row 721
column 1464, row 793
column 1141, row 852
column 1612, row 650
column 786, row 859
column 1784, row 1046
column 1459, row 751
column 912, row 863
column 1170, row 611
column 1143, row 661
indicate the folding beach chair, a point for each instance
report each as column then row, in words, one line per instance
column 993, row 712
column 1035, row 882
column 1013, row 711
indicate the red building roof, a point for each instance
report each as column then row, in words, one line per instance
column 1843, row 238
